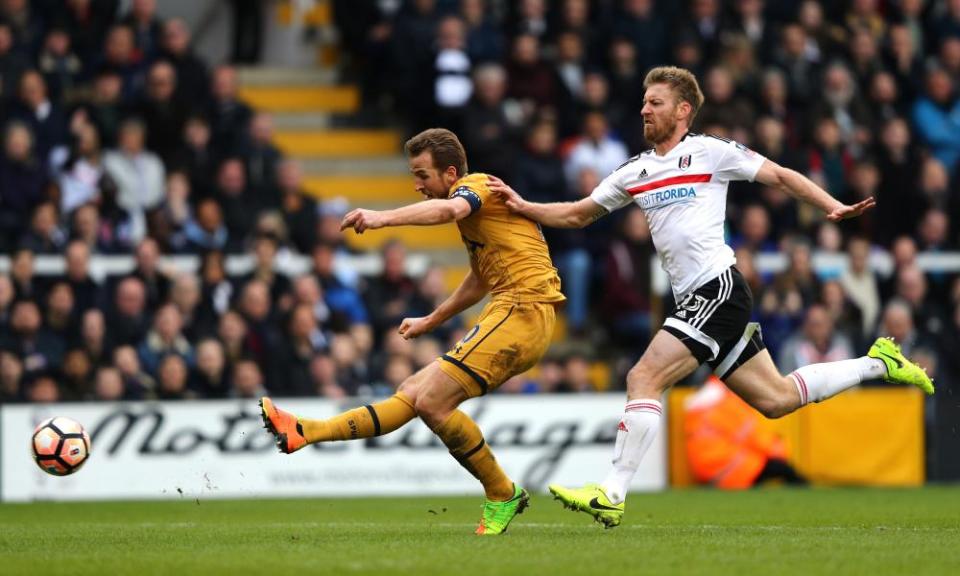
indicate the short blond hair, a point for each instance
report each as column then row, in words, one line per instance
column 682, row 83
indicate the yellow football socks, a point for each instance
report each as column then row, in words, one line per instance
column 363, row 422
column 463, row 438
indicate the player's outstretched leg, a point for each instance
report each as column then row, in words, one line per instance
column 293, row 433
column 591, row 499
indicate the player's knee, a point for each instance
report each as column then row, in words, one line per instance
column 776, row 406
column 642, row 383
column 431, row 410
column 410, row 388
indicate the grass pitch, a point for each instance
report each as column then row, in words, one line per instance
column 763, row 532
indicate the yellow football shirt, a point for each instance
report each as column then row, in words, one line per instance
column 507, row 249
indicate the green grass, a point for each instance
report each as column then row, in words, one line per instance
column 769, row 532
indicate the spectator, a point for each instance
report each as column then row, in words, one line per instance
column 42, row 389
column 529, row 79
column 451, row 69
column 539, row 174
column 484, row 39
column 298, row 208
column 233, row 333
column 204, row 230
column 388, row 294
column 165, row 338
column 193, row 77
column 431, row 292
column 26, row 285
column 109, row 385
column 490, row 124
column 60, row 313
column 754, row 230
column 216, row 290
column 148, row 271
column 185, row 296
column 347, row 308
column 647, row 30
column 60, row 66
column 197, row 156
column 247, row 381
column 596, row 149
column 6, row 302
column 77, row 379
column 78, row 169
column 255, row 306
column 236, row 201
column 143, row 22
column 172, row 379
column 139, row 175
column 627, row 282
column 162, row 113
column 44, row 235
column 169, row 222
column 265, row 253
column 94, row 340
column 860, row 283
column 816, row 342
column 229, row 117
column 11, row 378
column 120, row 54
column 138, row 385
column 209, row 378
column 44, row 117
column 724, row 107
column 261, row 160
column 40, row 349
column 936, row 117
column 23, row 183
column 12, row 63
column 291, row 361
column 106, row 105
column 130, row 317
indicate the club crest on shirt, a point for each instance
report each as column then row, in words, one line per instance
column 685, row 162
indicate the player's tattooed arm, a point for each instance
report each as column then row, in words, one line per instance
column 555, row 214
column 599, row 213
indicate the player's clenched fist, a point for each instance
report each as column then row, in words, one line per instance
column 362, row 219
column 413, row 327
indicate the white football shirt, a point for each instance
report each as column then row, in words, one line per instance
column 684, row 197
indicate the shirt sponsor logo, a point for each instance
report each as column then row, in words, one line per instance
column 664, row 198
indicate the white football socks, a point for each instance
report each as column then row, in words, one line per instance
column 818, row 382
column 638, row 428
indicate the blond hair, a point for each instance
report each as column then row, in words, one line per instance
column 682, row 83
column 444, row 147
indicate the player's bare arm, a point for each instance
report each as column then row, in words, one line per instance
column 471, row 290
column 426, row 213
column 803, row 188
column 555, row 214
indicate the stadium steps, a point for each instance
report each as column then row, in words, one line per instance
column 361, row 167
column 384, row 190
column 281, row 98
column 351, row 143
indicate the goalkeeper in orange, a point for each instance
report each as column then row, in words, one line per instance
column 509, row 260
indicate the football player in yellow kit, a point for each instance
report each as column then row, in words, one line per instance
column 510, row 261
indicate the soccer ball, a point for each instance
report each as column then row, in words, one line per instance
column 60, row 446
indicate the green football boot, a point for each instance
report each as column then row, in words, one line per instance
column 592, row 500
column 498, row 515
column 900, row 370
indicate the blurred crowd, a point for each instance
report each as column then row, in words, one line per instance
column 119, row 139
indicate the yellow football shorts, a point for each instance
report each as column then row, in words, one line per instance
column 509, row 339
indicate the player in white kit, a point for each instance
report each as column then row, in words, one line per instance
column 681, row 185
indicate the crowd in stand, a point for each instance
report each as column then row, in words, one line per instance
column 118, row 139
